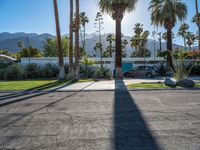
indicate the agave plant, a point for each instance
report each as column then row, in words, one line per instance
column 181, row 71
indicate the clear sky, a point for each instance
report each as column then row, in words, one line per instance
column 37, row 16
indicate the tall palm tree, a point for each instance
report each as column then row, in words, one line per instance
column 183, row 29
column 124, row 44
column 164, row 36
column 135, row 42
column 190, row 37
column 77, row 48
column 166, row 13
column 71, row 66
column 145, row 36
column 110, row 39
column 59, row 43
column 83, row 20
column 138, row 29
column 98, row 46
column 20, row 45
column 117, row 8
column 196, row 19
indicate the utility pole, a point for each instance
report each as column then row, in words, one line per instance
column 27, row 46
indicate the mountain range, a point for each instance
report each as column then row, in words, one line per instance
column 9, row 41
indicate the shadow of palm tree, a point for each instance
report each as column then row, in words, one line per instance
column 26, row 95
column 130, row 129
column 38, row 88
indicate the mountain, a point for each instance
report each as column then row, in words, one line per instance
column 9, row 41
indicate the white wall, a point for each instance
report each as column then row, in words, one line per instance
column 108, row 62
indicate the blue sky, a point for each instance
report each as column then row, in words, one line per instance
column 37, row 16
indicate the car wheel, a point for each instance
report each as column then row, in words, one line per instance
column 149, row 75
column 127, row 75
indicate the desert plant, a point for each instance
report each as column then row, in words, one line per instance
column 32, row 71
column 86, row 67
column 13, row 72
column 47, row 71
column 102, row 73
column 180, row 70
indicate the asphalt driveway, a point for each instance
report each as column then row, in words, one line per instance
column 101, row 120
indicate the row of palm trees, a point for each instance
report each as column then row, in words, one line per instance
column 73, row 64
column 164, row 13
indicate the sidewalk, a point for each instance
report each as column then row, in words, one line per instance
column 109, row 85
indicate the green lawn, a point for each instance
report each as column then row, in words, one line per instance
column 86, row 80
column 34, row 84
column 151, row 86
column 30, row 85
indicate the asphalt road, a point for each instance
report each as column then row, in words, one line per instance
column 101, row 120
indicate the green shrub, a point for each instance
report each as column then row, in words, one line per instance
column 32, row 71
column 13, row 72
column 5, row 64
column 102, row 73
column 47, row 71
column 2, row 71
column 86, row 68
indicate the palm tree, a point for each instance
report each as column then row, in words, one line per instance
column 124, row 44
column 198, row 20
column 59, row 43
column 164, row 36
column 138, row 29
column 183, row 29
column 135, row 43
column 110, row 39
column 190, row 37
column 98, row 46
column 83, row 20
column 195, row 20
column 145, row 36
column 20, row 45
column 77, row 47
column 166, row 13
column 71, row 67
column 117, row 8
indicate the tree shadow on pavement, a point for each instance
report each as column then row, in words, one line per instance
column 35, row 89
column 130, row 129
column 31, row 93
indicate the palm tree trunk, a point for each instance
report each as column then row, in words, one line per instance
column 118, row 57
column 60, row 52
column 101, row 53
column 110, row 49
column 198, row 21
column 184, row 42
column 169, row 48
column 84, row 38
column 77, row 48
column 71, row 67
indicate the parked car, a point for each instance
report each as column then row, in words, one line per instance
column 144, row 71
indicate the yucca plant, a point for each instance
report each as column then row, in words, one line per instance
column 181, row 71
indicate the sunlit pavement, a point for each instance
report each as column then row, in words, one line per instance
column 107, row 85
column 101, row 120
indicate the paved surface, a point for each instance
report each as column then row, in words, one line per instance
column 110, row 84
column 101, row 120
